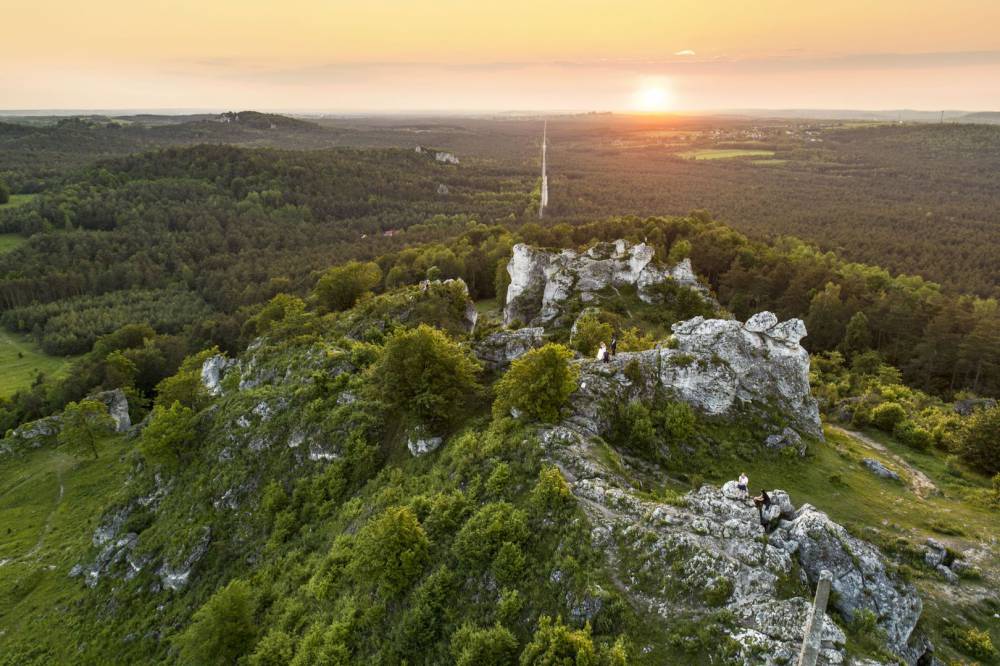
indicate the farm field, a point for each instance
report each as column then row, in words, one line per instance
column 21, row 361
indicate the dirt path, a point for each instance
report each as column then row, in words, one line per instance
column 919, row 482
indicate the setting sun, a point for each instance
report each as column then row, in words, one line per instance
column 653, row 99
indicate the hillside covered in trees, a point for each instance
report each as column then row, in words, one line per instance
column 296, row 429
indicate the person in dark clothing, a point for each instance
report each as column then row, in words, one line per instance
column 614, row 345
column 763, row 503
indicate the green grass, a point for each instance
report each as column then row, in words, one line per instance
column 18, row 200
column 50, row 503
column 724, row 153
column 21, row 360
column 10, row 241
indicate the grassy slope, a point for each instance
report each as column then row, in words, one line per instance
column 50, row 501
column 21, row 360
column 724, row 153
column 10, row 241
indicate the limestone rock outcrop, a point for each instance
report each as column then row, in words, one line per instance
column 715, row 365
column 541, row 281
column 498, row 350
column 117, row 405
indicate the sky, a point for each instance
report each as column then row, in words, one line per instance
column 480, row 55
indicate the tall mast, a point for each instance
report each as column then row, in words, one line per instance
column 544, row 200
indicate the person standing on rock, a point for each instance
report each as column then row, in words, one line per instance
column 602, row 353
column 614, row 345
column 742, row 484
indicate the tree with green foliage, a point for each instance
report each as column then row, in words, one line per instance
column 980, row 443
column 185, row 386
column 222, row 630
column 827, row 318
column 538, row 383
column 4, row 192
column 84, row 424
column 391, row 551
column 858, row 336
column 488, row 530
column 341, row 286
column 555, row 644
column 590, row 333
column 679, row 251
column 168, row 437
column 425, row 375
column 491, row 646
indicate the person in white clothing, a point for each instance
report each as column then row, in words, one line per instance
column 743, row 483
column 602, row 352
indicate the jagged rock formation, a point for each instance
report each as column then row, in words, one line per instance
column 498, row 350
column 542, row 281
column 716, row 365
column 879, row 470
column 117, row 405
column 710, row 550
column 212, row 371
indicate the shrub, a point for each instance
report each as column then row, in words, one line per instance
column 391, row 550
column 633, row 340
column 169, row 434
column 538, row 384
column 4, row 192
column 973, row 642
column 980, row 442
column 590, row 333
column 482, row 536
column 494, row 646
column 555, row 644
column 912, row 435
column 718, row 592
column 275, row 649
column 887, row 415
column 996, row 487
column 551, row 494
column 185, row 386
column 424, row 374
column 221, row 630
column 341, row 286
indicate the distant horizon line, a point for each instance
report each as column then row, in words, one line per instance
column 180, row 111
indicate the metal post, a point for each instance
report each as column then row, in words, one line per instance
column 814, row 625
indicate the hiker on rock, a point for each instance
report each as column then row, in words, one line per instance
column 614, row 345
column 602, row 353
column 742, row 484
column 763, row 503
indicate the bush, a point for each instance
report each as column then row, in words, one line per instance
column 887, row 415
column 221, row 630
column 275, row 649
column 169, row 435
column 486, row 532
column 4, row 192
column 494, row 646
column 425, row 375
column 980, row 441
column 718, row 593
column 973, row 642
column 538, row 384
column 912, row 435
column 590, row 333
column 342, row 286
column 555, row 644
column 391, row 551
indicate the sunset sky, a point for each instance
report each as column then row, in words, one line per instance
column 448, row 55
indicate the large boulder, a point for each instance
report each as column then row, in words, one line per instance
column 117, row 405
column 212, row 371
column 716, row 365
column 860, row 579
column 541, row 281
column 498, row 350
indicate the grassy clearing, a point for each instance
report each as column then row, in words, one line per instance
column 724, row 153
column 18, row 200
column 50, row 502
column 10, row 241
column 769, row 162
column 21, row 360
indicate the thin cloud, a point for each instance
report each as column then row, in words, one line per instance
column 685, row 52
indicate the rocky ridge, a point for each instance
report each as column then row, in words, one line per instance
column 541, row 281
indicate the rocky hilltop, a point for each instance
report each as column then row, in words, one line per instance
column 542, row 281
